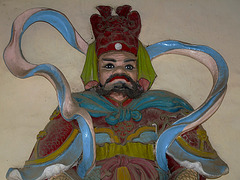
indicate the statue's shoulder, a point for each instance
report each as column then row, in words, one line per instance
column 54, row 139
column 55, row 149
column 197, row 143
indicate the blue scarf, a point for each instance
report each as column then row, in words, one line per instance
column 98, row 106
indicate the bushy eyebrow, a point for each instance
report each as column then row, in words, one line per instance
column 114, row 60
column 130, row 60
column 108, row 59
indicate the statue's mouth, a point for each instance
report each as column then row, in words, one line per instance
column 119, row 77
column 115, row 83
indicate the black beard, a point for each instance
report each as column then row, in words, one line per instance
column 133, row 91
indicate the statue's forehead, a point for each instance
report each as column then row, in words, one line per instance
column 117, row 55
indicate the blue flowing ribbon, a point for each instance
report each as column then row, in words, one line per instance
column 168, row 136
column 62, row 24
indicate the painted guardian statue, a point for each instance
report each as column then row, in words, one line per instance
column 118, row 128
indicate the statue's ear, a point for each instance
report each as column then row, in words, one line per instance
column 90, row 84
column 144, row 83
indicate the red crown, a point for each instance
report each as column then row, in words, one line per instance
column 116, row 33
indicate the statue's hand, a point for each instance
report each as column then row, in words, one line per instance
column 184, row 174
column 61, row 176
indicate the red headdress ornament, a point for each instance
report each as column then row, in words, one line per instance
column 116, row 32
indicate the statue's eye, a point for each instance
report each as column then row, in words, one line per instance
column 109, row 66
column 129, row 67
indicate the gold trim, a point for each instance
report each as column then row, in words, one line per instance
column 195, row 151
column 41, row 134
column 35, row 151
column 110, row 132
column 123, row 173
column 55, row 113
column 56, row 153
column 139, row 131
column 202, row 135
column 138, row 150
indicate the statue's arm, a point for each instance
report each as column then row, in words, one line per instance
column 54, row 151
column 192, row 155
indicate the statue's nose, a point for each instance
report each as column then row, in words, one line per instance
column 120, row 70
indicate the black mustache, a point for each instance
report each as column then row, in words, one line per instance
column 121, row 75
column 132, row 90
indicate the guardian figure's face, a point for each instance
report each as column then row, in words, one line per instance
column 118, row 73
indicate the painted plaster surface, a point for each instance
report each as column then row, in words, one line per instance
column 25, row 105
